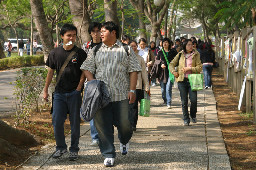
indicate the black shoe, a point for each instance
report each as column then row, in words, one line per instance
column 73, row 156
column 186, row 123
column 59, row 153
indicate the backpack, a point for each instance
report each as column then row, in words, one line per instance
column 99, row 45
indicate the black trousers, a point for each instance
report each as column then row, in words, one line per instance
column 133, row 108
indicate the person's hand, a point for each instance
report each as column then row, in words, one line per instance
column 163, row 66
column 149, row 63
column 46, row 95
column 131, row 97
column 176, row 74
column 185, row 69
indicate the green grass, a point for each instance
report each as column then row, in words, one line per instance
column 247, row 116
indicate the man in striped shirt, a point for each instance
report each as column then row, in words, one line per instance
column 118, row 69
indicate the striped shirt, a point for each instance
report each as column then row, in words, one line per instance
column 112, row 65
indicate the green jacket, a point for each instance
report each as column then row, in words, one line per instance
column 196, row 64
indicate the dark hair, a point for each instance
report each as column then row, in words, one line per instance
column 111, row 26
column 94, row 25
column 194, row 42
column 169, row 41
column 143, row 40
column 185, row 44
column 177, row 40
column 193, row 38
column 133, row 41
column 208, row 46
column 125, row 37
column 67, row 27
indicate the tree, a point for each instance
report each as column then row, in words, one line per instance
column 42, row 26
column 236, row 14
column 152, row 11
column 139, row 6
column 14, row 14
column 171, row 23
column 11, row 137
column 81, row 12
column 2, row 55
column 110, row 9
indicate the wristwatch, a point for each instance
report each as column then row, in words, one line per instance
column 133, row 91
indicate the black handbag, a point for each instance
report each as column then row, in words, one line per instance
column 61, row 71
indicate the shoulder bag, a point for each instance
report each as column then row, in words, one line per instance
column 171, row 76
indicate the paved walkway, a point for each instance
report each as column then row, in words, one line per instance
column 160, row 142
column 7, row 105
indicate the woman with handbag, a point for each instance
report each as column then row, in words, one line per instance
column 142, row 85
column 166, row 55
column 208, row 59
column 188, row 62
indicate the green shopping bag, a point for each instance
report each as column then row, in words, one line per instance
column 196, row 81
column 145, row 106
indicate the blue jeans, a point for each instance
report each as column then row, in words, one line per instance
column 94, row 133
column 185, row 90
column 64, row 103
column 207, row 69
column 9, row 53
column 166, row 89
column 114, row 114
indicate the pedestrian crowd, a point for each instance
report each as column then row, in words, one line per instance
column 127, row 69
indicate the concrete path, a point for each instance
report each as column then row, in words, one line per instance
column 160, row 142
column 6, row 91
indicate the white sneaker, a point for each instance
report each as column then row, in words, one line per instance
column 169, row 107
column 109, row 162
column 124, row 148
column 94, row 143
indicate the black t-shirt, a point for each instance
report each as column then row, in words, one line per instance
column 71, row 75
column 21, row 44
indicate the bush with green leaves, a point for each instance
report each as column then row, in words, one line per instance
column 28, row 86
column 17, row 61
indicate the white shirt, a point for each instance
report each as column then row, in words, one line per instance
column 144, row 53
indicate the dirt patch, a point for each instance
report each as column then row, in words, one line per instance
column 237, row 127
column 41, row 128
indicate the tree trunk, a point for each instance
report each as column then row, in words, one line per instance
column 174, row 27
column 253, row 16
column 2, row 55
column 11, row 137
column 165, row 24
column 110, row 8
column 81, row 19
column 139, row 6
column 31, row 36
column 171, row 19
column 123, row 18
column 42, row 26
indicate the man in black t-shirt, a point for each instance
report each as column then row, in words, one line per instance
column 67, row 95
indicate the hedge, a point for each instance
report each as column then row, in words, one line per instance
column 15, row 62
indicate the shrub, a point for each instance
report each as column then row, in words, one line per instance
column 15, row 62
column 28, row 86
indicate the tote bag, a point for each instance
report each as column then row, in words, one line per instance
column 145, row 105
column 196, row 81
